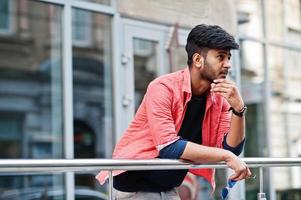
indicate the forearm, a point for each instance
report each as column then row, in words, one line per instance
column 203, row 154
column 237, row 131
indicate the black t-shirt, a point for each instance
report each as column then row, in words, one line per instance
column 191, row 128
column 163, row 180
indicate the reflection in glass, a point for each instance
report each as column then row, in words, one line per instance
column 145, row 66
column 92, row 89
column 81, row 27
column 31, row 118
column 250, row 18
column 50, row 192
column 5, row 16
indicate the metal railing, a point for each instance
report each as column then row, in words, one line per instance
column 17, row 166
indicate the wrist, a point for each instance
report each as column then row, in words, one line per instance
column 227, row 155
column 240, row 113
column 239, row 107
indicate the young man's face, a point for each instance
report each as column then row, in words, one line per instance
column 216, row 64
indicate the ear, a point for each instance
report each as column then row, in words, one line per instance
column 198, row 60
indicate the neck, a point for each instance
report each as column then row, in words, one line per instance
column 198, row 85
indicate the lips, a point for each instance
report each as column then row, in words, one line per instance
column 224, row 73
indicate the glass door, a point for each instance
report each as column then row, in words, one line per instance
column 145, row 62
column 143, row 58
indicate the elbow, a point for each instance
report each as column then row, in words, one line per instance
column 236, row 150
column 174, row 150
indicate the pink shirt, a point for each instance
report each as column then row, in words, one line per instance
column 159, row 119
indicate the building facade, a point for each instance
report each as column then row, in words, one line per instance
column 73, row 72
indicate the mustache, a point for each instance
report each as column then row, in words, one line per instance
column 225, row 72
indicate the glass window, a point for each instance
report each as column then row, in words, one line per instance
column 293, row 37
column 81, row 28
column 31, row 117
column 284, row 20
column 145, row 66
column 293, row 74
column 105, row 2
column 293, row 193
column 11, row 137
column 5, row 16
column 275, row 19
column 252, row 70
column 32, row 187
column 92, row 92
column 283, row 25
column 252, row 87
column 250, row 18
column 293, row 14
column 286, row 109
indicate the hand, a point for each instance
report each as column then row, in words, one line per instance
column 229, row 91
column 240, row 168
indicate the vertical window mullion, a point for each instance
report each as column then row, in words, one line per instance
column 68, row 97
column 267, row 94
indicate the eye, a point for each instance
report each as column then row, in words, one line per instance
column 220, row 57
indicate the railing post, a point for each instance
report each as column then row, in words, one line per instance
column 261, row 194
column 110, row 185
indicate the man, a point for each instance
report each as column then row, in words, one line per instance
column 194, row 114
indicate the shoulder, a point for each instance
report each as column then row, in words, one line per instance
column 170, row 80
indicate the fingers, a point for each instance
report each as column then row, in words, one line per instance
column 229, row 91
column 216, row 87
column 226, row 92
column 239, row 175
column 241, row 172
column 249, row 174
column 223, row 81
column 223, row 86
column 242, row 175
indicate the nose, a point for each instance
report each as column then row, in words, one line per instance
column 227, row 63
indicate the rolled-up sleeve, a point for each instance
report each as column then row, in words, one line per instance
column 174, row 150
column 224, row 124
column 158, row 101
column 236, row 150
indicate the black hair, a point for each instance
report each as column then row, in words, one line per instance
column 203, row 37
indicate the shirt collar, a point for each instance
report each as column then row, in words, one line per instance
column 187, row 81
column 187, row 88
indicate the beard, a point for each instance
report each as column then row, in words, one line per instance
column 207, row 73
column 210, row 74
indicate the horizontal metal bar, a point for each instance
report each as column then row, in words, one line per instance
column 285, row 45
column 85, row 165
